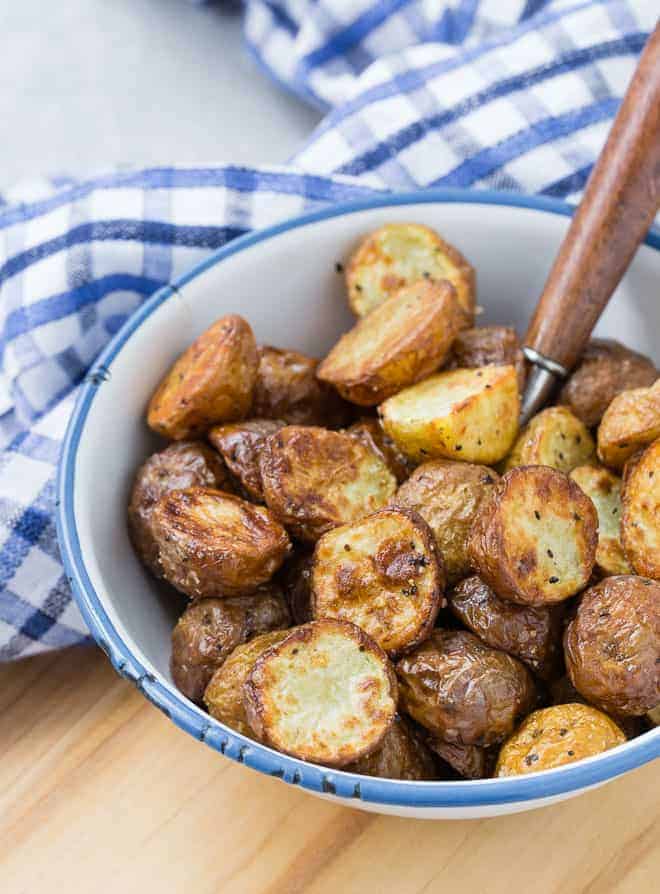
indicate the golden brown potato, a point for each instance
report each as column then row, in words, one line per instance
column 403, row 340
column 224, row 694
column 640, row 529
column 612, row 646
column 211, row 382
column 465, row 414
column 296, row 580
column 535, row 540
column 239, row 444
column 530, row 633
column 210, row 629
column 605, row 369
column 488, row 346
column 469, row 761
column 214, row 544
column 463, row 691
column 287, row 388
column 631, row 422
column 556, row 736
column 327, row 694
column 397, row 255
column 315, row 479
column 448, row 496
column 371, row 433
column 181, row 465
column 401, row 755
column 604, row 490
column 384, row 574
column 554, row 437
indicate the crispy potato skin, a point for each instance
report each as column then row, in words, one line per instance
column 606, row 368
column 181, row 465
column 464, row 691
column 224, row 694
column 401, row 341
column 448, row 496
column 315, row 479
column 296, row 580
column 287, row 389
column 612, row 646
column 383, row 574
column 488, row 346
column 463, row 414
column 327, row 693
column 370, row 433
column 630, row 423
column 210, row 629
column 554, row 437
column 640, row 529
column 469, row 761
column 214, row 544
column 530, row 633
column 401, row 755
column 535, row 540
column 552, row 737
column 211, row 382
column 239, row 444
column 604, row 490
column 397, row 255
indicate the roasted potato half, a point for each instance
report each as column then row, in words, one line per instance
column 384, row 574
column 469, row 761
column 371, row 433
column 535, row 540
column 554, row 437
column 239, row 444
column 403, row 340
column 552, row 737
column 465, row 414
column 488, row 346
column 327, row 694
column 397, row 255
column 214, row 544
column 604, row 490
column 315, row 479
column 211, row 382
column 401, row 755
column 210, row 629
column 612, row 646
column 448, row 496
column 640, row 529
column 181, row 465
column 464, row 691
column 606, row 368
column 631, row 422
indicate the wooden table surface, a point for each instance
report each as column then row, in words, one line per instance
column 99, row 792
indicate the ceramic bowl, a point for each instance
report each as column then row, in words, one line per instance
column 284, row 281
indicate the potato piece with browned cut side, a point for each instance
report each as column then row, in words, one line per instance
column 327, row 694
column 370, row 433
column 384, row 574
column 631, row 422
column 640, row 529
column 554, row 437
column 488, row 346
column 464, row 414
column 535, row 540
column 401, row 755
column 239, row 444
column 211, row 382
column 604, row 490
column 315, row 479
column 403, row 340
column 214, row 544
column 468, row 761
column 396, row 255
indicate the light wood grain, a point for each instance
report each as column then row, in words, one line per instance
column 100, row 793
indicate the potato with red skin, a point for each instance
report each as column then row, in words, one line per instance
column 488, row 346
column 370, row 433
column 239, row 444
column 401, row 755
column 463, row 691
column 612, row 646
column 468, row 761
column 640, row 527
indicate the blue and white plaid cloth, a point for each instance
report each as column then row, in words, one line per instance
column 515, row 94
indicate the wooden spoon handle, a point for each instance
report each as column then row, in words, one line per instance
column 619, row 203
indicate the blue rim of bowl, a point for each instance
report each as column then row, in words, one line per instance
column 396, row 793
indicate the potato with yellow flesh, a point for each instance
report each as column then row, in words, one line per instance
column 554, row 437
column 556, row 736
column 464, row 414
column 403, row 340
column 604, row 490
column 631, row 422
column 327, row 694
column 397, row 255
column 640, row 529
column 211, row 382
column 382, row 573
column 370, row 432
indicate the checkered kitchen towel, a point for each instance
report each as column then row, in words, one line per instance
column 515, row 94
